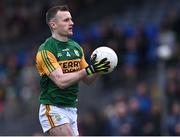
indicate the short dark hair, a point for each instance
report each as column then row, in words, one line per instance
column 53, row 11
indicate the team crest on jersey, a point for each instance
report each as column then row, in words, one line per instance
column 59, row 55
column 77, row 53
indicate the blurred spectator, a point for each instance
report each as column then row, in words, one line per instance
column 142, row 95
column 173, row 120
column 120, row 123
column 2, row 101
column 137, row 116
column 152, row 126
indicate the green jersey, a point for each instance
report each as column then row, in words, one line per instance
column 51, row 55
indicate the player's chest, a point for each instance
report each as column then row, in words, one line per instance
column 69, row 59
column 67, row 53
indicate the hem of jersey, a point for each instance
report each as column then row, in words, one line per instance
column 57, row 105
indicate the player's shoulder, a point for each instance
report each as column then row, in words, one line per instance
column 46, row 45
column 75, row 44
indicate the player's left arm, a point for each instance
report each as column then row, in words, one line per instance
column 90, row 78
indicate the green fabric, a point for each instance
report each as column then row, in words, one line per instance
column 63, row 51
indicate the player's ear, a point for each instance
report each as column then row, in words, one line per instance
column 52, row 24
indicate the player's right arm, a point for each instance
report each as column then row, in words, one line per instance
column 47, row 64
column 64, row 80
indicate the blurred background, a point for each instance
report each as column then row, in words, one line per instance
column 140, row 97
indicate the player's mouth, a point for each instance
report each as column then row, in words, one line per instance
column 70, row 29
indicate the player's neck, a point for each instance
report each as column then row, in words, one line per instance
column 60, row 38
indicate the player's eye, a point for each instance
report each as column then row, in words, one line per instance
column 68, row 19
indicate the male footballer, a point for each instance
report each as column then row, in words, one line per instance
column 61, row 65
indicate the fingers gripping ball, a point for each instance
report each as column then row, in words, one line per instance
column 108, row 53
column 98, row 66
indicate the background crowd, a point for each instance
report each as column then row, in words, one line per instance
column 140, row 97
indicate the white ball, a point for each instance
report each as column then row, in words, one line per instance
column 106, row 52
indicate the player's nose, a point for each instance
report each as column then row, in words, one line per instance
column 71, row 23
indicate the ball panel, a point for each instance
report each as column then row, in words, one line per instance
column 106, row 52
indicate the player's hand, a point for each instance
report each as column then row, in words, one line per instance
column 96, row 67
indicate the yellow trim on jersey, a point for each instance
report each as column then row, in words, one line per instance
column 46, row 62
column 48, row 116
column 83, row 63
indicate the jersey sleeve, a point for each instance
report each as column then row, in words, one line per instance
column 83, row 62
column 46, row 62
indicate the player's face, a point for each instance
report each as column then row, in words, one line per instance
column 63, row 24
